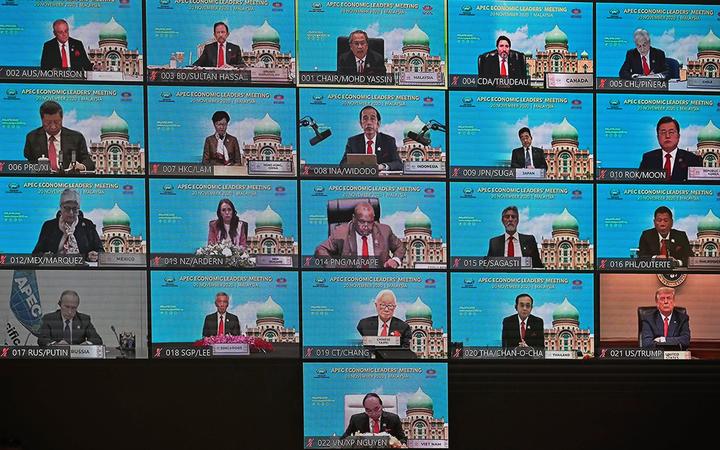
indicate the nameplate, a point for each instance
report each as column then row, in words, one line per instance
column 645, row 84
column 122, row 259
column 560, row 354
column 199, row 75
column 529, row 174
column 421, row 79
column 677, row 354
column 105, row 76
column 427, row 443
column 24, row 167
column 381, row 341
column 274, row 261
column 701, row 82
column 704, row 262
column 270, row 167
column 182, row 169
column 703, row 173
column 87, row 352
column 231, row 349
column 275, row 75
column 569, row 80
column 424, row 168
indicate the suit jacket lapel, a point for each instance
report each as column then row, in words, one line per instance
column 351, row 241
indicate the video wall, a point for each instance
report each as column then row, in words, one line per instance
column 375, row 190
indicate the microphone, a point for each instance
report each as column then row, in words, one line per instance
column 420, row 137
column 112, row 327
column 319, row 136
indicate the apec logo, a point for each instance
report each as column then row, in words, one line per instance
column 11, row 94
column 320, row 282
column 468, row 193
column 468, row 283
column 614, row 14
column 168, row 189
column 317, row 100
column 321, row 373
column 614, row 104
column 13, row 188
column 166, row 97
column 466, row 10
column 164, row 4
column 318, row 191
column 316, row 8
column 169, row 282
column 467, row 102
column 615, row 195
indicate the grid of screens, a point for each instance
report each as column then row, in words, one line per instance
column 373, row 189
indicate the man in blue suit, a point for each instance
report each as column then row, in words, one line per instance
column 666, row 326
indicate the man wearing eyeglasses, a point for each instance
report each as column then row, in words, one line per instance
column 69, row 233
column 360, row 60
column 385, row 324
column 669, row 158
column 375, row 420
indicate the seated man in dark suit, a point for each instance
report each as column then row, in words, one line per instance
column 64, row 52
column 527, row 156
column 666, row 326
column 221, row 148
column 523, row 329
column 669, row 158
column 65, row 149
column 221, row 322
column 363, row 237
column 67, row 326
column 512, row 243
column 385, row 324
column 360, row 60
column 644, row 60
column 664, row 241
column 502, row 62
column 69, row 233
column 375, row 420
column 372, row 142
column 220, row 53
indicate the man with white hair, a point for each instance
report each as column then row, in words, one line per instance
column 666, row 326
column 385, row 324
column 644, row 60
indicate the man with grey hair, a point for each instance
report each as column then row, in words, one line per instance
column 69, row 233
column 360, row 60
column 513, row 244
column 221, row 322
column 644, row 60
column 67, row 326
column 666, row 326
column 385, row 324
column 64, row 52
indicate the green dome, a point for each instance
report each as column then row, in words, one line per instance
column 418, row 310
column 113, row 30
column 584, row 55
column 267, row 126
column 566, row 311
column 565, row 131
column 268, row 218
column 528, row 54
column 114, row 124
column 556, row 36
column 565, row 221
column 709, row 223
column 266, row 33
column 416, row 125
column 116, row 217
column 709, row 133
column 418, row 219
column 270, row 310
column 710, row 43
column 416, row 36
column 420, row 400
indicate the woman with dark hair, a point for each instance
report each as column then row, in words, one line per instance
column 228, row 227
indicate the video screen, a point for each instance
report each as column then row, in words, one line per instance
column 657, row 228
column 372, row 44
column 96, row 129
column 201, row 131
column 370, row 225
column 225, row 314
column 657, row 47
column 64, row 314
column 363, row 134
column 633, row 308
column 374, row 315
column 536, row 136
column 503, row 226
column 88, row 223
column 365, row 405
column 232, row 224
column 522, row 316
column 520, row 45
column 636, row 133
column 90, row 40
column 220, row 42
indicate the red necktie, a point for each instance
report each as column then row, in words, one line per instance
column 369, row 148
column 221, row 326
column 376, row 426
column 663, row 247
column 646, row 68
column 511, row 247
column 65, row 63
column 665, row 328
column 221, row 56
column 668, row 170
column 522, row 330
column 384, row 330
column 503, row 71
column 52, row 154
column 365, row 250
